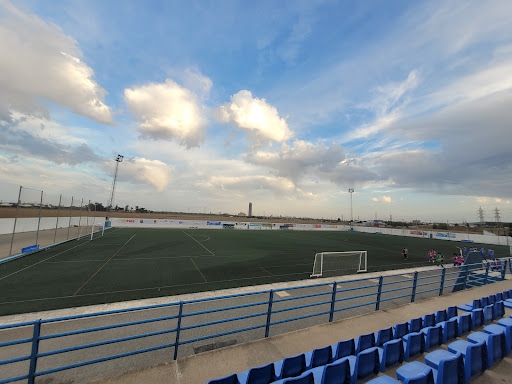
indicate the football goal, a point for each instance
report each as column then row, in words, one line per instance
column 333, row 263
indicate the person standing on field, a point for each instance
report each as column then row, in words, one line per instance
column 405, row 253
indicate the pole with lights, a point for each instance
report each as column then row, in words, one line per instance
column 118, row 159
column 351, row 191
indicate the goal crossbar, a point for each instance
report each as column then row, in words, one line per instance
column 347, row 260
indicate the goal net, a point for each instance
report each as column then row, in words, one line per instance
column 332, row 263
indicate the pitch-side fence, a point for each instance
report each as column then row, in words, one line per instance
column 261, row 313
column 42, row 219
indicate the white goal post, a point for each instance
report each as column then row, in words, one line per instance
column 342, row 262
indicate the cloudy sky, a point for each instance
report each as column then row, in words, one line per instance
column 287, row 105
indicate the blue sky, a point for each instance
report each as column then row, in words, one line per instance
column 284, row 104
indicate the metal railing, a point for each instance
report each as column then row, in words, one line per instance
column 274, row 306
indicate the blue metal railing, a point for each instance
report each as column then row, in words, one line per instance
column 372, row 295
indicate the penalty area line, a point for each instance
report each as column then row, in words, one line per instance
column 213, row 254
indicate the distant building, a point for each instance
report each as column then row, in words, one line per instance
column 250, row 210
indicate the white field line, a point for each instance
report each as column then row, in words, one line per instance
column 106, row 262
column 213, row 254
column 39, row 262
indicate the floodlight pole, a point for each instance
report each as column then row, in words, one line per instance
column 351, row 191
column 118, row 159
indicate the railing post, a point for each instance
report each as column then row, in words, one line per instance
column 441, row 288
column 379, row 293
column 486, row 273
column 333, row 301
column 466, row 276
column 414, row 284
column 178, row 329
column 269, row 312
column 34, row 352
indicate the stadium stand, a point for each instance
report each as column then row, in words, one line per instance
column 352, row 361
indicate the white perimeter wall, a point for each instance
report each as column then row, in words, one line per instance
column 30, row 224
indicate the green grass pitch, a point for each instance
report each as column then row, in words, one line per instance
column 128, row 264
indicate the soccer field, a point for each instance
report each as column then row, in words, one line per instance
column 128, row 264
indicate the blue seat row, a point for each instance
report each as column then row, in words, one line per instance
column 371, row 353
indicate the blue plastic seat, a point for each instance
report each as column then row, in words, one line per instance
column 448, row 368
column 334, row 373
column 484, row 302
column 414, row 344
column 505, row 295
column 391, row 353
column 441, row 316
column 291, row 366
column 429, row 320
column 508, row 303
column 499, row 296
column 258, row 375
column 318, row 357
column 493, row 342
column 477, row 317
column 451, row 312
column 450, row 329
column 231, row 379
column 383, row 380
column 343, row 349
column 499, row 309
column 383, row 336
column 507, row 324
column 495, row 329
column 365, row 364
column 400, row 330
column 364, row 342
column 488, row 313
column 465, row 323
column 492, row 299
column 433, row 336
column 306, row 378
column 475, row 356
column 415, row 325
column 415, row 372
column 471, row 306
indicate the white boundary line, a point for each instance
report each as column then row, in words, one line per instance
column 213, row 254
column 106, row 262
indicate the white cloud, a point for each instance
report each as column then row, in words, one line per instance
column 167, row 111
column 40, row 61
column 299, row 158
column 255, row 116
column 145, row 171
column 382, row 199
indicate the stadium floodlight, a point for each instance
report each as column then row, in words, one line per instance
column 351, row 191
column 118, row 159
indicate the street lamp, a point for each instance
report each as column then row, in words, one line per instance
column 351, row 191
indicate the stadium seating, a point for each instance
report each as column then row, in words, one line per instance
column 365, row 364
column 350, row 361
column 414, row 344
column 291, row 366
column 318, row 357
column 364, row 342
column 474, row 354
column 450, row 329
column 344, row 348
column 433, row 336
column 507, row 324
column 415, row 325
column 391, row 353
column 400, row 330
column 493, row 342
column 383, row 336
